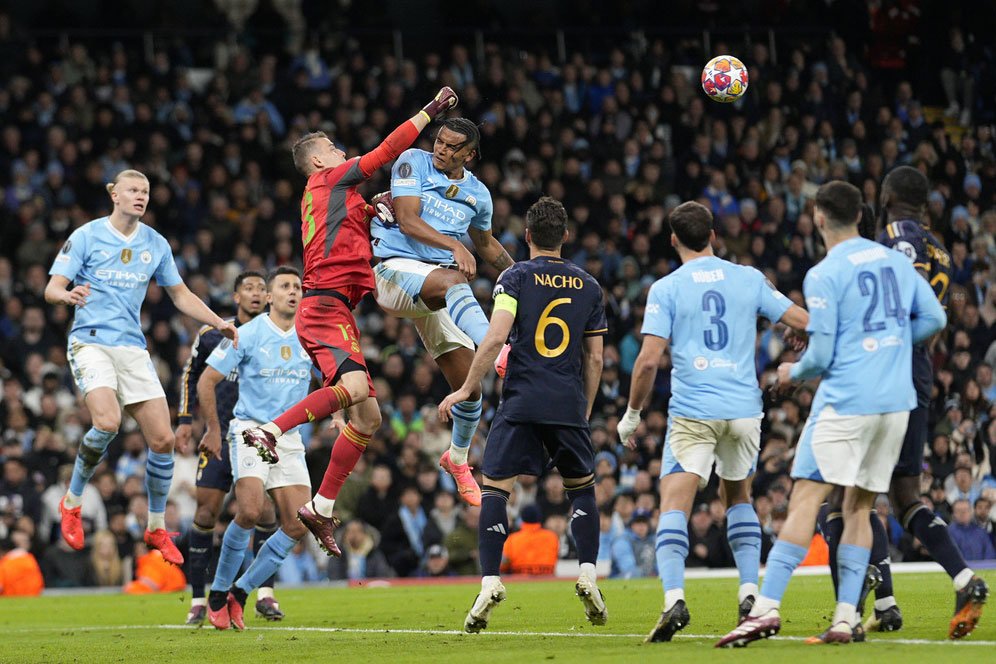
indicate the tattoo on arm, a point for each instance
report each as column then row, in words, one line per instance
column 503, row 261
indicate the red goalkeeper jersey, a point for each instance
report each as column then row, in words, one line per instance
column 335, row 228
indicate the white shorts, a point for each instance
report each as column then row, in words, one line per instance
column 289, row 470
column 851, row 450
column 125, row 369
column 399, row 282
column 691, row 446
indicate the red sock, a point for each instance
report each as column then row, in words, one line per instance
column 346, row 451
column 316, row 406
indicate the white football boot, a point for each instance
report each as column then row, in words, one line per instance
column 492, row 593
column 591, row 597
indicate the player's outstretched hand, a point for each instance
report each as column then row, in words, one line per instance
column 211, row 444
column 797, row 340
column 182, row 434
column 383, row 207
column 465, row 261
column 627, row 427
column 462, row 394
column 444, row 100
column 230, row 332
column 77, row 296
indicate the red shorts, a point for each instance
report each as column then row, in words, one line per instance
column 327, row 330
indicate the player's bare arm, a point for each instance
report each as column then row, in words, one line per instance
column 644, row 371
column 484, row 359
column 592, row 369
column 193, row 306
column 490, row 249
column 211, row 442
column 407, row 211
column 57, row 292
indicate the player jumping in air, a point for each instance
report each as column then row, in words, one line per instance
column 707, row 310
column 214, row 475
column 553, row 310
column 904, row 203
column 425, row 268
column 111, row 260
column 336, row 235
column 867, row 308
column 274, row 372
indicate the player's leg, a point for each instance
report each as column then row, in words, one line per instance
column 249, row 494
column 449, row 289
column 97, row 381
column 201, row 546
column 266, row 604
column 364, row 420
column 575, row 456
column 736, row 457
column 466, row 415
column 830, row 522
column 105, row 413
column 153, row 419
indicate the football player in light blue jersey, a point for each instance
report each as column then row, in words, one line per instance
column 111, row 261
column 274, row 374
column 867, row 306
column 424, row 270
column 707, row 310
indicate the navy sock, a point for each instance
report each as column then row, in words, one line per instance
column 832, row 526
column 933, row 532
column 880, row 556
column 199, row 558
column 261, row 534
column 585, row 521
column 493, row 529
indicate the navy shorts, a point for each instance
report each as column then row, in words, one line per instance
column 910, row 462
column 522, row 448
column 215, row 473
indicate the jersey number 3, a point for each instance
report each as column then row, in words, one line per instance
column 713, row 303
column 545, row 321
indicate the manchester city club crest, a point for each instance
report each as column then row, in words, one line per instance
column 145, row 257
column 285, row 352
column 126, row 256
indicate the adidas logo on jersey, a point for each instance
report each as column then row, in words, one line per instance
column 579, row 513
column 498, row 528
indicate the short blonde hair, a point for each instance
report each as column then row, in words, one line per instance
column 301, row 151
column 127, row 173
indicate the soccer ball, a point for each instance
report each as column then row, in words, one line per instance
column 724, row 79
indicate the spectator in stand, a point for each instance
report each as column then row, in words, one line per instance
column 437, row 563
column 408, row 533
column 360, row 559
column 615, row 548
column 532, row 549
column 641, row 542
column 972, row 540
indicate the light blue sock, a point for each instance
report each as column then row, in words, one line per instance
column 233, row 552
column 672, row 549
column 743, row 531
column 466, row 417
column 852, row 564
column 782, row 561
column 88, row 457
column 466, row 312
column 269, row 559
column 158, row 477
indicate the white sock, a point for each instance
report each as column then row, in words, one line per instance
column 746, row 590
column 885, row 603
column 199, row 601
column 763, row 605
column 488, row 581
column 588, row 571
column 961, row 578
column 846, row 613
column 72, row 501
column 264, row 593
column 157, row 520
column 272, row 428
column 458, row 455
column 323, row 505
column 672, row 596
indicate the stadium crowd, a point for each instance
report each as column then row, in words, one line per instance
column 621, row 136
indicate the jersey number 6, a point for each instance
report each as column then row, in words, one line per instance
column 547, row 320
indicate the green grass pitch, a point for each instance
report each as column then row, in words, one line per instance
column 540, row 621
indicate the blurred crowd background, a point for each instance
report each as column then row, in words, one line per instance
column 605, row 114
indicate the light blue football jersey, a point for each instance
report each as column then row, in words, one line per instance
column 864, row 294
column 274, row 370
column 708, row 308
column 449, row 206
column 118, row 269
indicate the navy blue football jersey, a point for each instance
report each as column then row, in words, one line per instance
column 226, row 393
column 556, row 305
